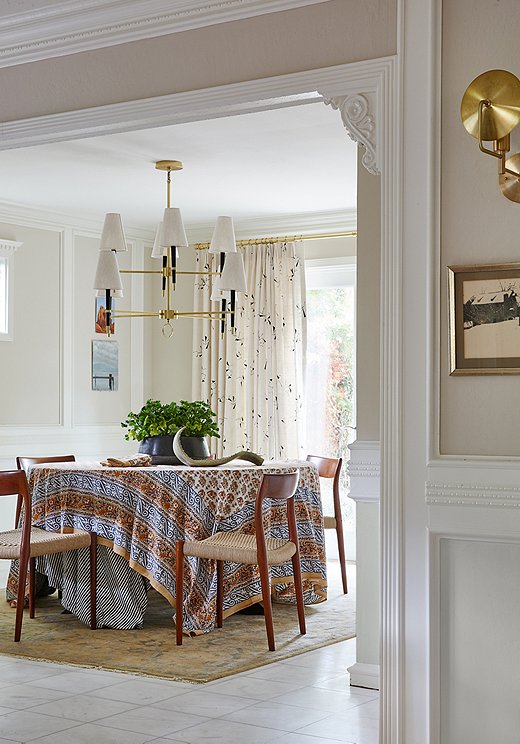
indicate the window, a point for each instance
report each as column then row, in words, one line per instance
column 7, row 249
column 330, row 372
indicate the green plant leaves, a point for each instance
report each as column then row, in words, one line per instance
column 156, row 419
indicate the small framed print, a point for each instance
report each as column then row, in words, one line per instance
column 105, row 365
column 101, row 317
column 484, row 317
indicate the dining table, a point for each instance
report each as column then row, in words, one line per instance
column 139, row 513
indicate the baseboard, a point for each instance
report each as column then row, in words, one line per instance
column 364, row 675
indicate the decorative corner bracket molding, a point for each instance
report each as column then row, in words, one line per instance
column 359, row 121
column 364, row 471
column 8, row 247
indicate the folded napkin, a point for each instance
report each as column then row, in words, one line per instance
column 137, row 461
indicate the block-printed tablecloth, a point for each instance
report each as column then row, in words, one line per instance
column 140, row 513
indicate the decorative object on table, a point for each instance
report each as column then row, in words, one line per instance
column 156, row 424
column 27, row 543
column 169, row 237
column 137, row 461
column 257, row 549
column 101, row 317
column 484, row 310
column 490, row 110
column 209, row 462
column 330, row 467
column 105, row 365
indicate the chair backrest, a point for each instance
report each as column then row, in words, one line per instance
column 24, row 463
column 281, row 487
column 328, row 467
column 14, row 483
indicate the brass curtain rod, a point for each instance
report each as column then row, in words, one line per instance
column 285, row 239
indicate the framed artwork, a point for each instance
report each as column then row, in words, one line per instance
column 105, row 365
column 484, row 317
column 101, row 318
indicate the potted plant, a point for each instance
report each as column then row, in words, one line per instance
column 155, row 425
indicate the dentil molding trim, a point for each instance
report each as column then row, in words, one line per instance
column 8, row 247
column 475, row 495
column 364, row 469
column 70, row 26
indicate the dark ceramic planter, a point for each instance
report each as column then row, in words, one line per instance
column 160, row 449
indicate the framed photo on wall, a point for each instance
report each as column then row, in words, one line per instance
column 105, row 365
column 484, row 318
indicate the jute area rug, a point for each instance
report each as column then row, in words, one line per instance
column 240, row 645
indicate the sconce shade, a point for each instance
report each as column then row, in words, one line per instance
column 107, row 272
column 172, row 232
column 113, row 237
column 233, row 275
column 502, row 90
column 223, row 238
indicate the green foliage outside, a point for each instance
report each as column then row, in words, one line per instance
column 156, row 419
column 331, row 340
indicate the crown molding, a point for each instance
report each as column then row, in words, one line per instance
column 286, row 224
column 72, row 26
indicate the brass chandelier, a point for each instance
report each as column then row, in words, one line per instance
column 169, row 237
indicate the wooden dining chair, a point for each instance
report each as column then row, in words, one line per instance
column 24, row 463
column 330, row 467
column 27, row 543
column 255, row 549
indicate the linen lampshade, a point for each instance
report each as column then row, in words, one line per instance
column 233, row 275
column 113, row 237
column 223, row 238
column 159, row 249
column 107, row 272
column 172, row 232
column 217, row 293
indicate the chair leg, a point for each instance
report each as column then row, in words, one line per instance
column 341, row 553
column 266, row 599
column 32, row 585
column 93, row 580
column 179, row 589
column 20, row 598
column 220, row 592
column 298, row 588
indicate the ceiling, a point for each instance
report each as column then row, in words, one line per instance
column 257, row 166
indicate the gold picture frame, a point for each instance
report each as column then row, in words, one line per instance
column 484, row 319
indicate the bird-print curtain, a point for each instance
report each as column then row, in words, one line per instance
column 253, row 379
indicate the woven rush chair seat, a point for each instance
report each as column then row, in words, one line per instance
column 27, row 543
column 330, row 467
column 256, row 549
column 42, row 542
column 237, row 547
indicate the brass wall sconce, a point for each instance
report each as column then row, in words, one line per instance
column 490, row 110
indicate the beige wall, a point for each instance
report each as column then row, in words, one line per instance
column 31, row 363
column 330, row 248
column 315, row 36
column 478, row 414
column 368, row 306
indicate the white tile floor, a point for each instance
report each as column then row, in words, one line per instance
column 303, row 700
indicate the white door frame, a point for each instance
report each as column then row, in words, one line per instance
column 367, row 95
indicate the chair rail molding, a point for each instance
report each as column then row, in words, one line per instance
column 71, row 26
column 364, row 469
column 382, row 78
